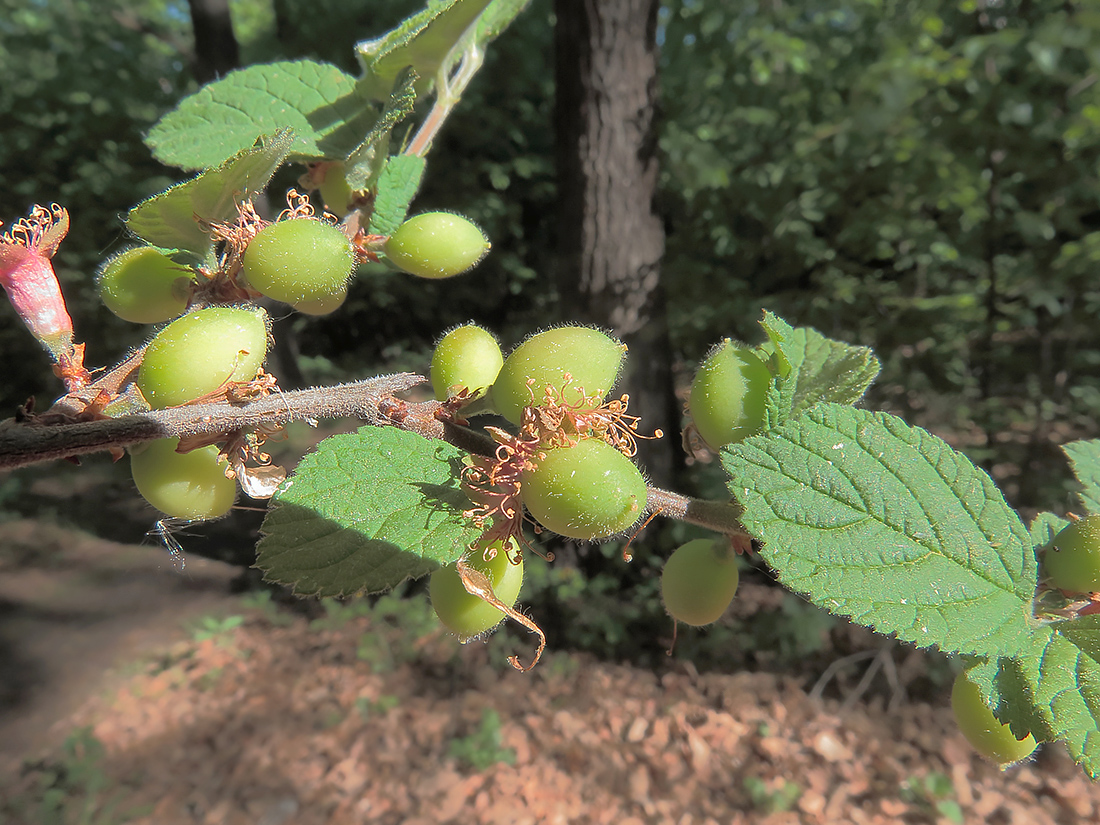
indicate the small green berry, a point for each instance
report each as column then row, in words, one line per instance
column 436, row 245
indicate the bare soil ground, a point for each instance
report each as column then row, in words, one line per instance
column 380, row 717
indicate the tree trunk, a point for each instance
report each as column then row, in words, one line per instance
column 216, row 51
column 611, row 238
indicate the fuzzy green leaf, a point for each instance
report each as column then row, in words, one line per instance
column 397, row 186
column 1052, row 688
column 365, row 163
column 780, row 337
column 781, row 393
column 813, row 368
column 172, row 218
column 1044, row 528
column 322, row 105
column 887, row 524
column 496, row 18
column 364, row 512
column 1085, row 458
column 422, row 42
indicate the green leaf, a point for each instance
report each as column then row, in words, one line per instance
column 1053, row 688
column 364, row 512
column 172, row 218
column 780, row 334
column 496, row 18
column 887, row 524
column 397, row 186
column 423, row 42
column 814, row 368
column 780, row 400
column 366, row 162
column 1044, row 528
column 322, row 105
column 1085, row 458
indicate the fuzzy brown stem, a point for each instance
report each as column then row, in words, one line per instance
column 23, row 443
column 33, row 441
column 720, row 516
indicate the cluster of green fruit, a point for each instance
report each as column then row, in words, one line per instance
column 192, row 357
column 301, row 261
column 581, row 486
column 726, row 403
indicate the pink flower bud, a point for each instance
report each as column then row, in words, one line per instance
column 27, row 275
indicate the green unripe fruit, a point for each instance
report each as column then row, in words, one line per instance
column 335, row 190
column 303, row 262
column 587, row 491
column 466, row 357
column 589, row 356
column 324, row 305
column 466, row 614
column 728, row 395
column 982, row 729
column 436, row 245
column 200, row 352
column 144, row 286
column 1072, row 561
column 183, row 485
column 698, row 581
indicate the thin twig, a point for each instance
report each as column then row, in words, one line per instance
column 37, row 440
column 23, row 443
column 881, row 659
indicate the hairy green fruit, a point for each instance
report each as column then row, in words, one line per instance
column 591, row 358
column 1072, row 561
column 183, row 485
column 587, row 491
column 466, row 614
column 699, row 580
column 436, row 245
column 198, row 353
column 728, row 395
column 303, row 262
column 325, row 304
column 144, row 286
column 467, row 357
column 982, row 729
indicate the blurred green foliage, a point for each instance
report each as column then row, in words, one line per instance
column 71, row 789
column 921, row 179
column 82, row 81
column 482, row 748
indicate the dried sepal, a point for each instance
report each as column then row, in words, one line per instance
column 477, row 584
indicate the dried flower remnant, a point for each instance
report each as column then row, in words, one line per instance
column 493, row 483
column 28, row 277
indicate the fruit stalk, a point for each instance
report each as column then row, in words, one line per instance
column 720, row 516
